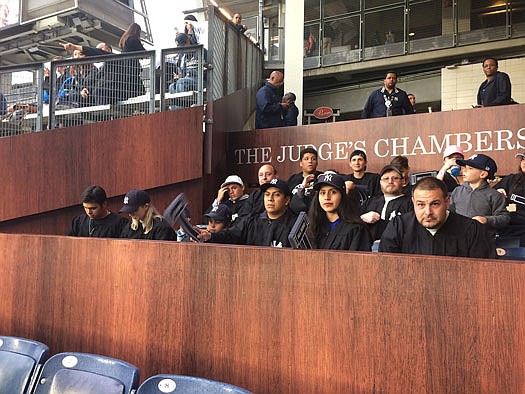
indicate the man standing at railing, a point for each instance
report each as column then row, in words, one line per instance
column 269, row 103
column 3, row 105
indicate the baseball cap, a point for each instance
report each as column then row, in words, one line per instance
column 389, row 168
column 133, row 200
column 330, row 179
column 233, row 179
column 279, row 184
column 522, row 155
column 451, row 149
column 481, row 162
column 220, row 212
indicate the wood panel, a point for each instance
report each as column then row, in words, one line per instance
column 273, row 320
column 496, row 131
column 58, row 222
column 48, row 170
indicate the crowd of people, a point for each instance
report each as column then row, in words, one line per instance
column 457, row 212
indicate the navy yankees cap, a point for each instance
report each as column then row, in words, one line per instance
column 220, row 212
column 330, row 179
column 481, row 162
column 279, row 184
column 134, row 199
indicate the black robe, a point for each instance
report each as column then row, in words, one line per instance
column 161, row 231
column 347, row 236
column 258, row 230
column 459, row 236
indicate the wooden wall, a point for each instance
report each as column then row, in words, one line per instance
column 497, row 131
column 45, row 173
column 273, row 320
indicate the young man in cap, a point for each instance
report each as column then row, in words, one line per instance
column 366, row 183
column 146, row 222
column 432, row 229
column 475, row 198
column 450, row 172
column 270, row 228
column 231, row 193
column 219, row 218
column 97, row 220
column 379, row 210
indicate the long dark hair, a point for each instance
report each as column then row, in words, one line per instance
column 348, row 211
column 518, row 181
column 134, row 30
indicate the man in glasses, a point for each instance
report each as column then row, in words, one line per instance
column 379, row 210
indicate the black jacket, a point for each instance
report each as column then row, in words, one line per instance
column 495, row 92
column 396, row 207
column 258, row 230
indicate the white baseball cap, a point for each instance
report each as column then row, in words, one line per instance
column 233, row 179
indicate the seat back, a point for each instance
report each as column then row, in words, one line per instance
column 83, row 373
column 178, row 384
column 20, row 362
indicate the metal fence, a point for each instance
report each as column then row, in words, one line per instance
column 69, row 92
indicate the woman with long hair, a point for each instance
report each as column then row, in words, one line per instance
column 146, row 222
column 129, row 81
column 334, row 217
column 514, row 184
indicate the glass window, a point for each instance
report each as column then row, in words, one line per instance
column 312, row 10
column 380, row 3
column 425, row 19
column 384, row 33
column 339, row 7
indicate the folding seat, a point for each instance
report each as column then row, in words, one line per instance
column 20, row 362
column 82, row 373
column 178, row 384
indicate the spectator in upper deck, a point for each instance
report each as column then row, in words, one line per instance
column 387, row 101
column 131, row 82
column 496, row 89
column 290, row 115
column 3, row 105
column 236, row 21
column 269, row 104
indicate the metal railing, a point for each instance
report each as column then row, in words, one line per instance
column 98, row 88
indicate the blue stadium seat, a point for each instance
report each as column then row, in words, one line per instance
column 511, row 253
column 82, row 373
column 20, row 362
column 178, row 384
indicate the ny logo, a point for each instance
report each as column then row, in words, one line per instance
column 273, row 181
column 126, row 200
column 328, row 178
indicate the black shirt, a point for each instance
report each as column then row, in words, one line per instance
column 395, row 207
column 109, row 227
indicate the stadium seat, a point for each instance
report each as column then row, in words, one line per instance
column 82, row 373
column 511, row 253
column 20, row 362
column 178, row 384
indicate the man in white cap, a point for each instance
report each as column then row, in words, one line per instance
column 231, row 193
column 450, row 172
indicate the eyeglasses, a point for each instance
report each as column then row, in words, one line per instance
column 391, row 178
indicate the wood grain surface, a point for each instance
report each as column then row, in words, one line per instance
column 272, row 320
